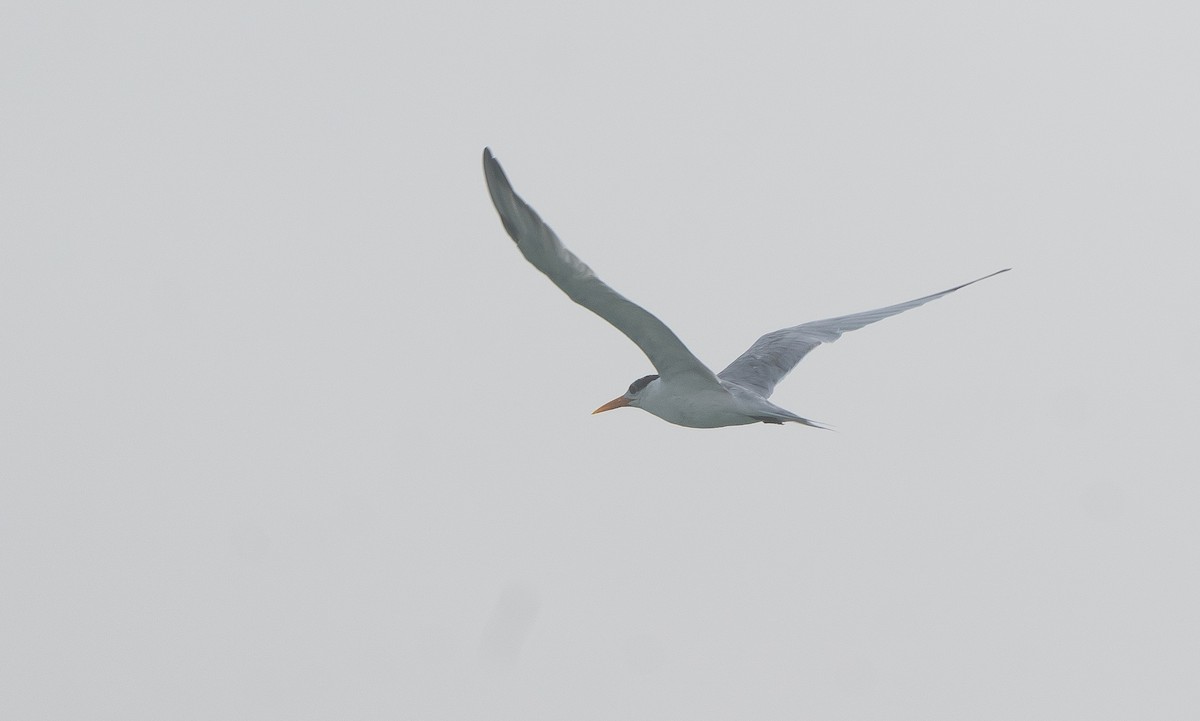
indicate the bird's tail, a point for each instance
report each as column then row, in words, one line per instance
column 787, row 417
column 813, row 424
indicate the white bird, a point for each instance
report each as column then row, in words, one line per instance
column 684, row 391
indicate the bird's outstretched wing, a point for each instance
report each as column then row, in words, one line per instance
column 545, row 251
column 775, row 354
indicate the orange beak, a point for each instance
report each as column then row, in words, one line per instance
column 614, row 403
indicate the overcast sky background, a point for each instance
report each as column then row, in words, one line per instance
column 291, row 430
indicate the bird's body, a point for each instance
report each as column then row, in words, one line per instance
column 685, row 392
column 703, row 407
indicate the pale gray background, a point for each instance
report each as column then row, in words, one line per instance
column 291, row 430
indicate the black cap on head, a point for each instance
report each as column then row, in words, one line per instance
column 639, row 384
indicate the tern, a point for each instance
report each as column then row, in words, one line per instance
column 684, row 391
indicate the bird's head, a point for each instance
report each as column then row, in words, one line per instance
column 631, row 397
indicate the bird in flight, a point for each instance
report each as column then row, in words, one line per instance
column 684, row 391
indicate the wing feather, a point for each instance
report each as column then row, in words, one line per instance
column 542, row 248
column 775, row 354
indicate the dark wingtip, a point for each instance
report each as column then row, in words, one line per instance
column 992, row 275
column 496, row 180
column 491, row 166
column 973, row 282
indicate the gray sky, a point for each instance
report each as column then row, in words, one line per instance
column 291, row 429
